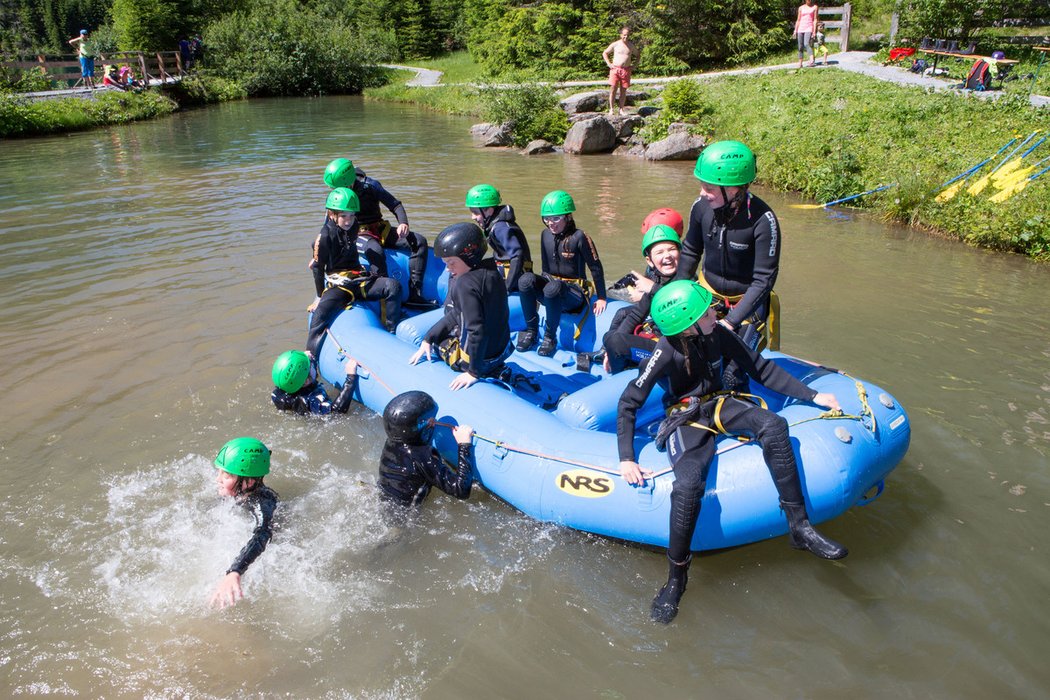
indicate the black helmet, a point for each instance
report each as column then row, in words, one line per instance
column 465, row 241
column 408, row 418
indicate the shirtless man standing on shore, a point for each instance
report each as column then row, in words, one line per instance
column 624, row 55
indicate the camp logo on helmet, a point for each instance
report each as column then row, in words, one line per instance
column 731, row 156
column 584, row 483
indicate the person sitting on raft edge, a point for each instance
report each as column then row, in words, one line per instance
column 687, row 363
column 376, row 230
column 408, row 465
column 241, row 465
column 298, row 389
column 339, row 277
column 473, row 337
column 510, row 248
column 632, row 335
column 567, row 254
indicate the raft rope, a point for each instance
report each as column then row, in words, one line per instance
column 741, row 440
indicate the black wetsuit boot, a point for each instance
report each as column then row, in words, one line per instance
column 781, row 460
column 665, row 604
column 803, row 536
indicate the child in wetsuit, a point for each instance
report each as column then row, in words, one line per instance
column 409, row 467
column 473, row 337
column 510, row 248
column 339, row 277
column 566, row 252
column 242, row 463
column 297, row 388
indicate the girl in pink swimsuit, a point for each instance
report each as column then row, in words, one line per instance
column 805, row 24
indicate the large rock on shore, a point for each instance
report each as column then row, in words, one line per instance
column 595, row 135
column 680, row 145
column 491, row 134
column 596, row 101
column 537, row 147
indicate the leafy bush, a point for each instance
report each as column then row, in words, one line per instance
column 202, row 89
column 683, row 101
column 281, row 48
column 532, row 111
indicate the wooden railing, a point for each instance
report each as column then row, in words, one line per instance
column 845, row 15
column 65, row 68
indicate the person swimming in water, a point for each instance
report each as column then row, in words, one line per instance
column 242, row 463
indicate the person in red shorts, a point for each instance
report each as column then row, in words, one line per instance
column 620, row 56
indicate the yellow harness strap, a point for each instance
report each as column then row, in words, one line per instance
column 450, row 351
column 769, row 329
column 504, row 269
column 588, row 289
column 349, row 281
column 721, row 397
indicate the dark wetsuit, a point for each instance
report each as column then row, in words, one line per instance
column 566, row 258
column 474, row 334
column 740, row 255
column 632, row 335
column 509, row 245
column 693, row 367
column 312, row 398
column 262, row 501
column 335, row 250
column 407, row 472
column 371, row 193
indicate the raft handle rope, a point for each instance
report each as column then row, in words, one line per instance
column 741, row 440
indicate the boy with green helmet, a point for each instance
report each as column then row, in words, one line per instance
column 375, row 233
column 339, row 277
column 632, row 336
column 241, row 465
column 510, row 249
column 567, row 254
column 298, row 389
column 737, row 238
column 687, row 363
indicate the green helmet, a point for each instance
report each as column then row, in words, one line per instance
column 244, row 456
column 661, row 233
column 481, row 196
column 556, row 203
column 727, row 163
column 678, row 305
column 343, row 199
column 291, row 370
column 340, row 173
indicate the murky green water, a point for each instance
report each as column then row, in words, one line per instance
column 151, row 273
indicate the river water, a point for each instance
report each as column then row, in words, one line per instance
column 151, row 273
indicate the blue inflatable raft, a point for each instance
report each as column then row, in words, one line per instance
column 546, row 441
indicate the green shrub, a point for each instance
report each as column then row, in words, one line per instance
column 282, row 48
column 203, row 89
column 683, row 101
column 532, row 111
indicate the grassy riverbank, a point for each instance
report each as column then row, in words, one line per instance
column 829, row 134
column 20, row 116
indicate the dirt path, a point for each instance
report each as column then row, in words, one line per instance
column 853, row 61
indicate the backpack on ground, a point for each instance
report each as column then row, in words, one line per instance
column 979, row 77
column 918, row 65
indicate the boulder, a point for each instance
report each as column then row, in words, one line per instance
column 491, row 134
column 678, row 146
column 626, row 125
column 647, row 111
column 595, row 135
column 596, row 101
column 584, row 102
column 633, row 150
column 536, row 147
